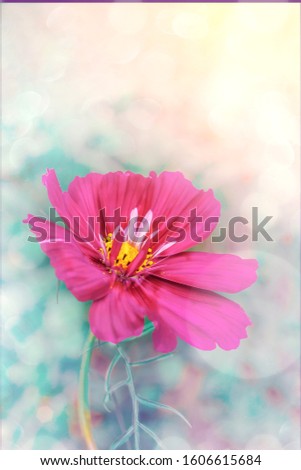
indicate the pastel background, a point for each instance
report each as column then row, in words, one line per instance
column 211, row 90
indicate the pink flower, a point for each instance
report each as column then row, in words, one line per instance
column 130, row 273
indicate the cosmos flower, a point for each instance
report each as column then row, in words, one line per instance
column 130, row 273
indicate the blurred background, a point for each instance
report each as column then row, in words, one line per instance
column 211, row 90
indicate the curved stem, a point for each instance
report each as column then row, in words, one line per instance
column 109, row 395
column 135, row 404
column 108, row 377
column 148, row 329
column 151, row 359
column 83, row 395
column 83, row 398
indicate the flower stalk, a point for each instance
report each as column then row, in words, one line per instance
column 84, row 410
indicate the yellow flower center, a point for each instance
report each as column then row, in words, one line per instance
column 127, row 254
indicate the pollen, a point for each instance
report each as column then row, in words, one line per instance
column 147, row 263
column 109, row 243
column 127, row 254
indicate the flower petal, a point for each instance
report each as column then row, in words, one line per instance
column 201, row 318
column 166, row 197
column 117, row 316
column 171, row 195
column 78, row 216
column 55, row 193
column 116, row 193
column 84, row 279
column 164, row 338
column 209, row 271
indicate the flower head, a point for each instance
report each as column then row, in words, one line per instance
column 123, row 248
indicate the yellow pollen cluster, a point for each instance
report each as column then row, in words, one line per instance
column 127, row 254
column 147, row 262
column 108, row 243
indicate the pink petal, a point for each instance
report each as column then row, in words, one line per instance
column 172, row 195
column 201, row 318
column 164, row 338
column 55, row 193
column 117, row 316
column 166, row 195
column 112, row 192
column 84, row 279
column 75, row 214
column 210, row 271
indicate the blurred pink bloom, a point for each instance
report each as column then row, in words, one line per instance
column 129, row 280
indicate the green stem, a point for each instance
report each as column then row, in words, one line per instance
column 151, row 359
column 135, row 404
column 148, row 329
column 83, row 395
column 109, row 373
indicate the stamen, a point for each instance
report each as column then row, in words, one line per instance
column 127, row 253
